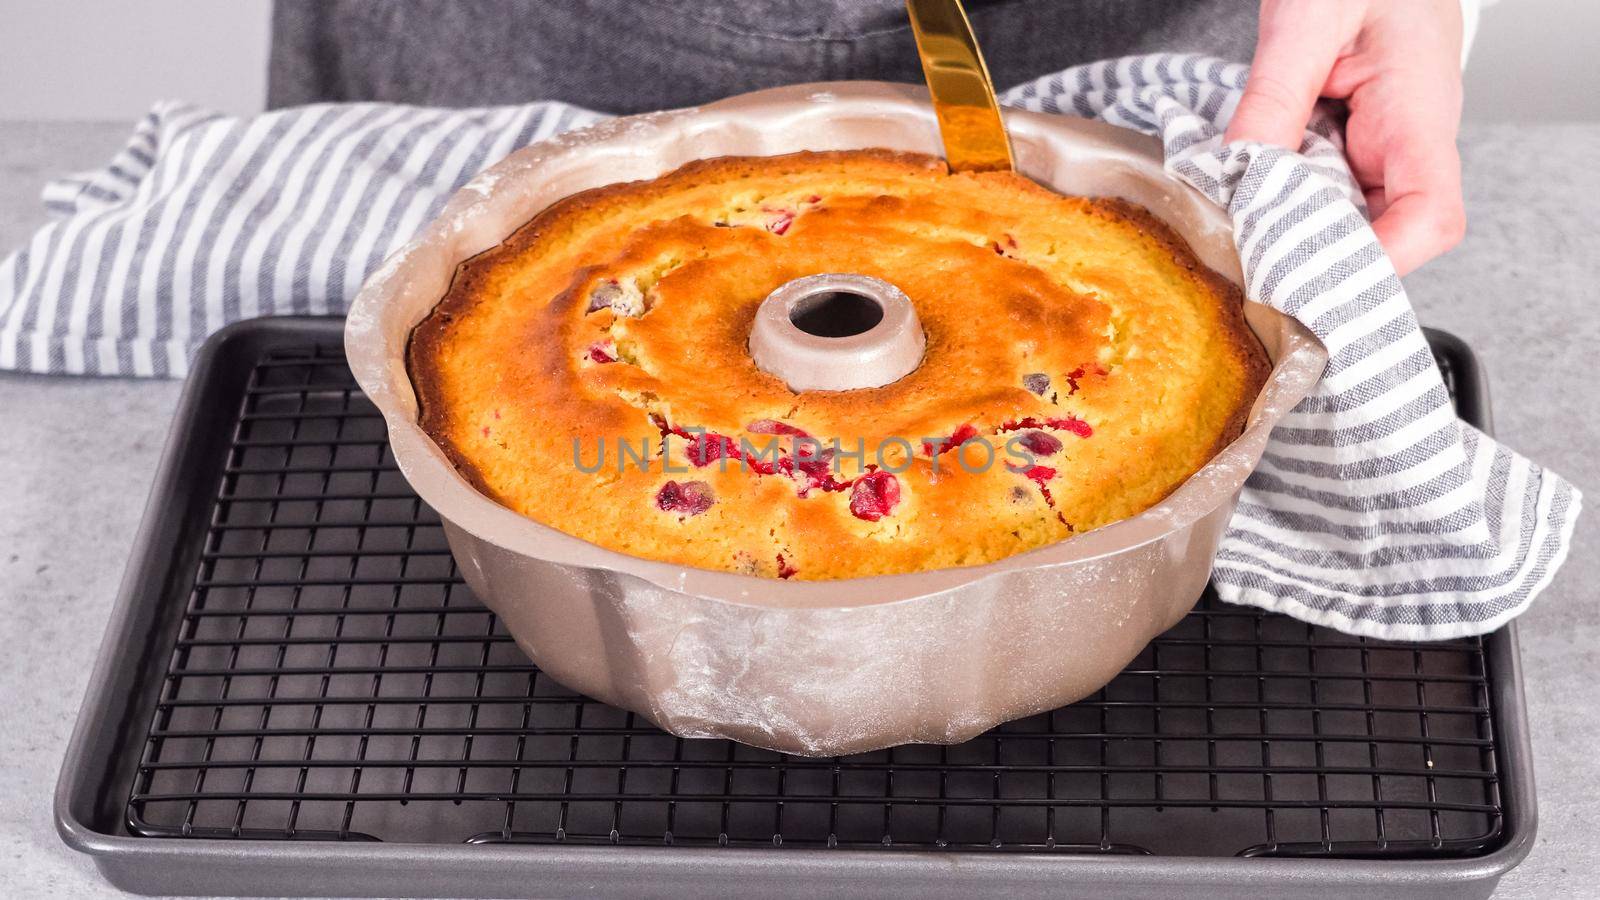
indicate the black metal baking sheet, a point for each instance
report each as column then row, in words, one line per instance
column 297, row 695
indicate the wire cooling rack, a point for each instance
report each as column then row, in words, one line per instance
column 330, row 677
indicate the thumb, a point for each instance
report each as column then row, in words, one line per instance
column 1294, row 54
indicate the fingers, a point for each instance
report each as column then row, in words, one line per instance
column 1296, row 50
column 1422, row 214
column 1418, row 228
column 1376, row 202
column 1397, row 65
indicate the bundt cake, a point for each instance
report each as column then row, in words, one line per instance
column 592, row 371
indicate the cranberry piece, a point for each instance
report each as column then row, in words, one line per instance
column 1040, row 443
column 765, row 465
column 706, row 448
column 874, row 496
column 1073, row 424
column 1080, row 372
column 1061, row 423
column 785, row 570
column 773, row 426
column 600, row 354
column 603, row 294
column 1039, row 474
column 811, row 464
column 813, row 460
column 815, row 468
column 781, row 223
column 690, row 498
column 814, row 198
column 961, row 435
column 1037, row 383
column 660, row 422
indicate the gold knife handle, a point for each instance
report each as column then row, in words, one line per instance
column 975, row 138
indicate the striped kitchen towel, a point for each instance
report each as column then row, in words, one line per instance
column 1374, row 511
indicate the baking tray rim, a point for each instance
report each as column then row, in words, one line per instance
column 127, row 861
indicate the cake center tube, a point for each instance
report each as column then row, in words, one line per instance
column 837, row 332
column 836, row 314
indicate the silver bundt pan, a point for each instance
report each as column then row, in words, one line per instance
column 819, row 668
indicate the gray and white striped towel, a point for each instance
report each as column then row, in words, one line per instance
column 1375, row 511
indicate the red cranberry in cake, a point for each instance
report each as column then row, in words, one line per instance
column 621, row 297
column 1040, row 443
column 1040, row 474
column 813, row 468
column 940, row 445
column 706, row 448
column 874, row 496
column 1073, row 424
column 780, row 223
column 1081, row 372
column 773, row 426
column 691, row 498
column 603, row 295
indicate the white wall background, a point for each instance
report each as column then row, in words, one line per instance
column 108, row 59
column 1535, row 60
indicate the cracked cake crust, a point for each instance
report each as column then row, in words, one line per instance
column 1079, row 338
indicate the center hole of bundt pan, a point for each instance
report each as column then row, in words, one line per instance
column 837, row 332
column 835, row 314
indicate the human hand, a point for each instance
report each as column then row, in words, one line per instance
column 1397, row 66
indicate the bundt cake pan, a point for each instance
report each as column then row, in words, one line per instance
column 819, row 667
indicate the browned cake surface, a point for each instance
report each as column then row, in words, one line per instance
column 1096, row 361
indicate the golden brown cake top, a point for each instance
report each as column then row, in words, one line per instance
column 592, row 371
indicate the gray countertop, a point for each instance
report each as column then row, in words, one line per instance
column 77, row 457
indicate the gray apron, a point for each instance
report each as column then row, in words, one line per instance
column 627, row 56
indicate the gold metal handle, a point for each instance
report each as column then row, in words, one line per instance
column 963, row 96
